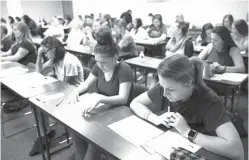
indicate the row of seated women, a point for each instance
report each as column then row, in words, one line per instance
column 194, row 107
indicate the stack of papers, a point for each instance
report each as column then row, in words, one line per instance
column 135, row 130
column 165, row 143
column 233, row 77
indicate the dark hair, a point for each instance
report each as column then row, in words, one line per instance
column 205, row 27
column 80, row 16
column 230, row 17
column 139, row 23
column 225, row 35
column 159, row 18
column 241, row 26
column 150, row 15
column 183, row 25
column 61, row 21
column 68, row 18
column 87, row 16
column 4, row 29
column 18, row 19
column 105, row 44
column 108, row 19
column 180, row 68
column 127, row 17
column 52, row 42
column 26, row 19
column 3, row 20
column 11, row 19
column 92, row 15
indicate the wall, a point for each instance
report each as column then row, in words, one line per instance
column 4, row 10
column 197, row 12
column 47, row 9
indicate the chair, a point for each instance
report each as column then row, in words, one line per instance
column 93, row 87
column 136, row 91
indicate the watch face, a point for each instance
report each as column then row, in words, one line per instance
column 192, row 133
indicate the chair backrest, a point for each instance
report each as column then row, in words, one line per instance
column 86, row 72
column 136, row 91
column 93, row 87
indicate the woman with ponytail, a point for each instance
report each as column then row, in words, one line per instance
column 184, row 102
column 114, row 83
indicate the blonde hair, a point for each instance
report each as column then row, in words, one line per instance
column 24, row 30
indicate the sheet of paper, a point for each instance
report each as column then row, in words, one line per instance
column 235, row 77
column 216, row 77
column 163, row 144
column 14, row 71
column 46, row 98
column 135, row 130
column 35, row 79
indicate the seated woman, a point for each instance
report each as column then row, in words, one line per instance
column 107, row 20
column 138, row 32
column 124, row 39
column 31, row 24
column 158, row 31
column 223, row 52
column 55, row 30
column 23, row 50
column 180, row 43
column 114, row 83
column 126, row 16
column 228, row 21
column 6, row 41
column 76, row 34
column 205, row 38
column 240, row 34
column 67, row 68
column 181, row 100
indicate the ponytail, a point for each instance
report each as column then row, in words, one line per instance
column 198, row 67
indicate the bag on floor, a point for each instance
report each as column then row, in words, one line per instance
column 14, row 106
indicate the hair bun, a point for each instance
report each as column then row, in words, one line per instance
column 104, row 36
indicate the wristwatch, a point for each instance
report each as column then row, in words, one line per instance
column 192, row 134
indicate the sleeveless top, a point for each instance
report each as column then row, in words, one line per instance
column 223, row 58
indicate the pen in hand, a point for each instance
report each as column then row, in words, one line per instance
column 59, row 102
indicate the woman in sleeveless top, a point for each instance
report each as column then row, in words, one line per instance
column 223, row 52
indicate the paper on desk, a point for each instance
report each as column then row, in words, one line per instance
column 234, row 77
column 13, row 71
column 36, row 79
column 135, row 130
column 46, row 98
column 163, row 144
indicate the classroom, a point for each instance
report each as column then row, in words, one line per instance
column 124, row 79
